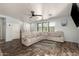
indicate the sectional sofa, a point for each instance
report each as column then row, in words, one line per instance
column 29, row 38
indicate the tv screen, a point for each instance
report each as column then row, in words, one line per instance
column 75, row 14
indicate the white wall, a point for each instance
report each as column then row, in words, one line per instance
column 70, row 31
column 78, row 34
column 12, row 28
column 0, row 28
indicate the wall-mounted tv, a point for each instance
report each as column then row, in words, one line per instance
column 75, row 14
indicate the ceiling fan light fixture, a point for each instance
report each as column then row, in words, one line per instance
column 33, row 14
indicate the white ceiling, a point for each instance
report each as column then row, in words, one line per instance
column 19, row 10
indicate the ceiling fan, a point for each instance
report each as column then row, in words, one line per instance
column 33, row 14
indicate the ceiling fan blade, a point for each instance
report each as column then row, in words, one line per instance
column 38, row 15
column 33, row 14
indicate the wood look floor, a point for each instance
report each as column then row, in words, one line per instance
column 42, row 48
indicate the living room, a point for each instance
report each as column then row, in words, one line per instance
column 24, row 25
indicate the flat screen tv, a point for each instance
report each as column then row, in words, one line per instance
column 75, row 14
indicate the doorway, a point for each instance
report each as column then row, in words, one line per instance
column 2, row 29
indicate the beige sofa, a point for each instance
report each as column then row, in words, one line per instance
column 29, row 38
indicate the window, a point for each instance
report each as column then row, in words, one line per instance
column 51, row 26
column 39, row 27
column 45, row 26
